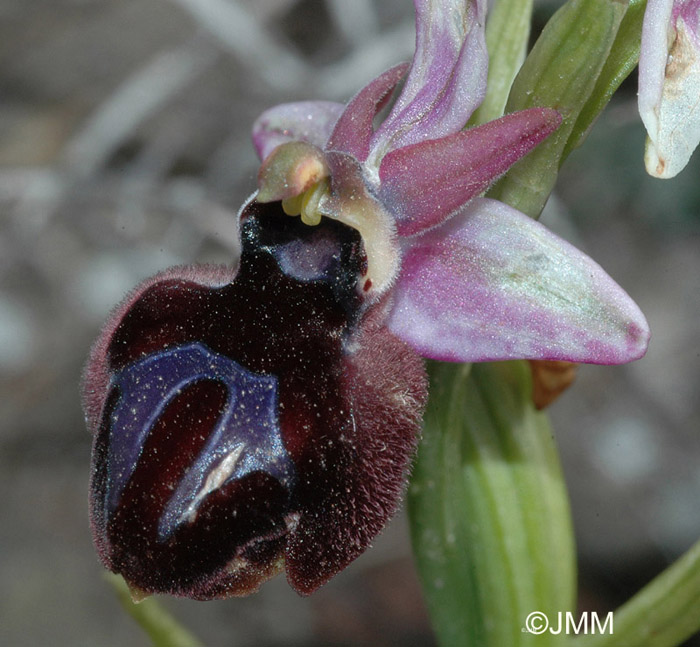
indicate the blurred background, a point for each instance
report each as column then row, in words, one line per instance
column 125, row 148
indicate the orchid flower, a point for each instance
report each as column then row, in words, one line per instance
column 669, row 84
column 264, row 416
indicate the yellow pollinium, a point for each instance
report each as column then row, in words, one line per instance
column 306, row 204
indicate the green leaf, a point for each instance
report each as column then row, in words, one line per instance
column 161, row 627
column 507, row 34
column 489, row 510
column 561, row 71
column 664, row 613
column 623, row 58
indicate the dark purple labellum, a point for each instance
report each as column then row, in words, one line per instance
column 245, row 439
column 253, row 423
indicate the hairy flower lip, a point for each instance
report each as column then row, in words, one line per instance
column 96, row 376
column 158, row 531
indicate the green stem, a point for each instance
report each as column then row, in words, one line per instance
column 507, row 34
column 664, row 613
column 489, row 510
column 161, row 627
column 623, row 58
column 561, row 71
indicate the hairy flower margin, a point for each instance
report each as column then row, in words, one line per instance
column 264, row 416
column 669, row 84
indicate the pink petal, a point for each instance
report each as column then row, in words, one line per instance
column 353, row 131
column 447, row 80
column 423, row 184
column 492, row 284
column 309, row 121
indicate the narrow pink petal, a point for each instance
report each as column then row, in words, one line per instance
column 447, row 80
column 309, row 121
column 425, row 183
column 353, row 131
column 492, row 284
